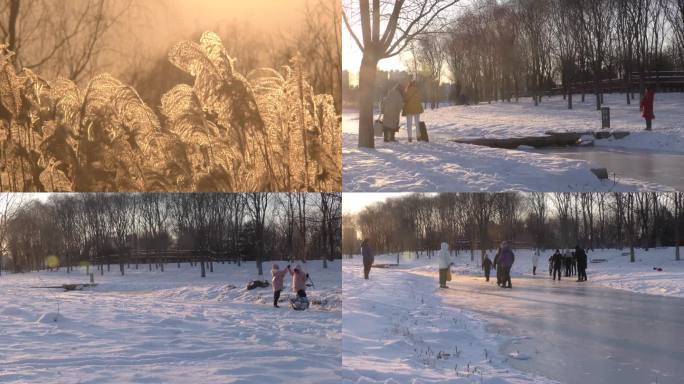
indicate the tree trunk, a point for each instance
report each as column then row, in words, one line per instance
column 678, row 213
column 260, row 257
column 12, row 28
column 367, row 74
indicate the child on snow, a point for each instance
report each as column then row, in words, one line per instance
column 278, row 277
column 298, row 280
column 487, row 266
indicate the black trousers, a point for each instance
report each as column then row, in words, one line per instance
column 366, row 270
column 582, row 274
column 506, row 276
column 487, row 272
column 534, row 270
column 276, row 297
column 388, row 134
column 557, row 270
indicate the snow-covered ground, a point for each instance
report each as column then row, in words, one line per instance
column 502, row 120
column 170, row 327
column 610, row 269
column 443, row 165
column 396, row 330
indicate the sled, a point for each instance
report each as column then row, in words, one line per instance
column 254, row 284
column 388, row 265
column 422, row 132
column 299, row 303
column 69, row 287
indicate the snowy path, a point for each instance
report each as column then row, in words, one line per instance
column 170, row 327
column 577, row 333
column 396, row 330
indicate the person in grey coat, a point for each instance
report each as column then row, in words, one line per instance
column 368, row 257
column 391, row 107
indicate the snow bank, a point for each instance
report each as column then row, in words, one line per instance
column 170, row 327
column 396, row 330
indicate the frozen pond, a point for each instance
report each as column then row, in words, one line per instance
column 656, row 167
column 576, row 333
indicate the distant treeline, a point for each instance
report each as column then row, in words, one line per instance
column 502, row 50
column 101, row 229
column 480, row 221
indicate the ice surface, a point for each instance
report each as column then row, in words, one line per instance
column 397, row 330
column 566, row 331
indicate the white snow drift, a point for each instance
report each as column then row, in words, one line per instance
column 170, row 327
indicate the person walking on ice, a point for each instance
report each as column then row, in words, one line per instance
column 506, row 260
column 277, row 282
column 368, row 258
column 413, row 107
column 535, row 261
column 444, row 264
column 487, row 266
column 581, row 256
column 556, row 263
column 497, row 267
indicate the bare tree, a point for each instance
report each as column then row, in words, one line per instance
column 120, row 219
column 402, row 21
column 60, row 38
column 428, row 50
column 154, row 215
column 257, row 205
column 10, row 205
column 678, row 207
column 538, row 207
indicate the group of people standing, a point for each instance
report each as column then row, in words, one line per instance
column 401, row 100
column 570, row 263
column 503, row 262
column 299, row 278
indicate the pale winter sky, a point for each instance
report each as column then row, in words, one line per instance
column 355, row 202
column 351, row 55
column 168, row 21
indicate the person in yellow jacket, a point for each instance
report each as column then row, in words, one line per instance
column 413, row 107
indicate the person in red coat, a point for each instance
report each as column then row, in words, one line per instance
column 646, row 107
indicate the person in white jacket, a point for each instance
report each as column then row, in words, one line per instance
column 535, row 261
column 443, row 264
